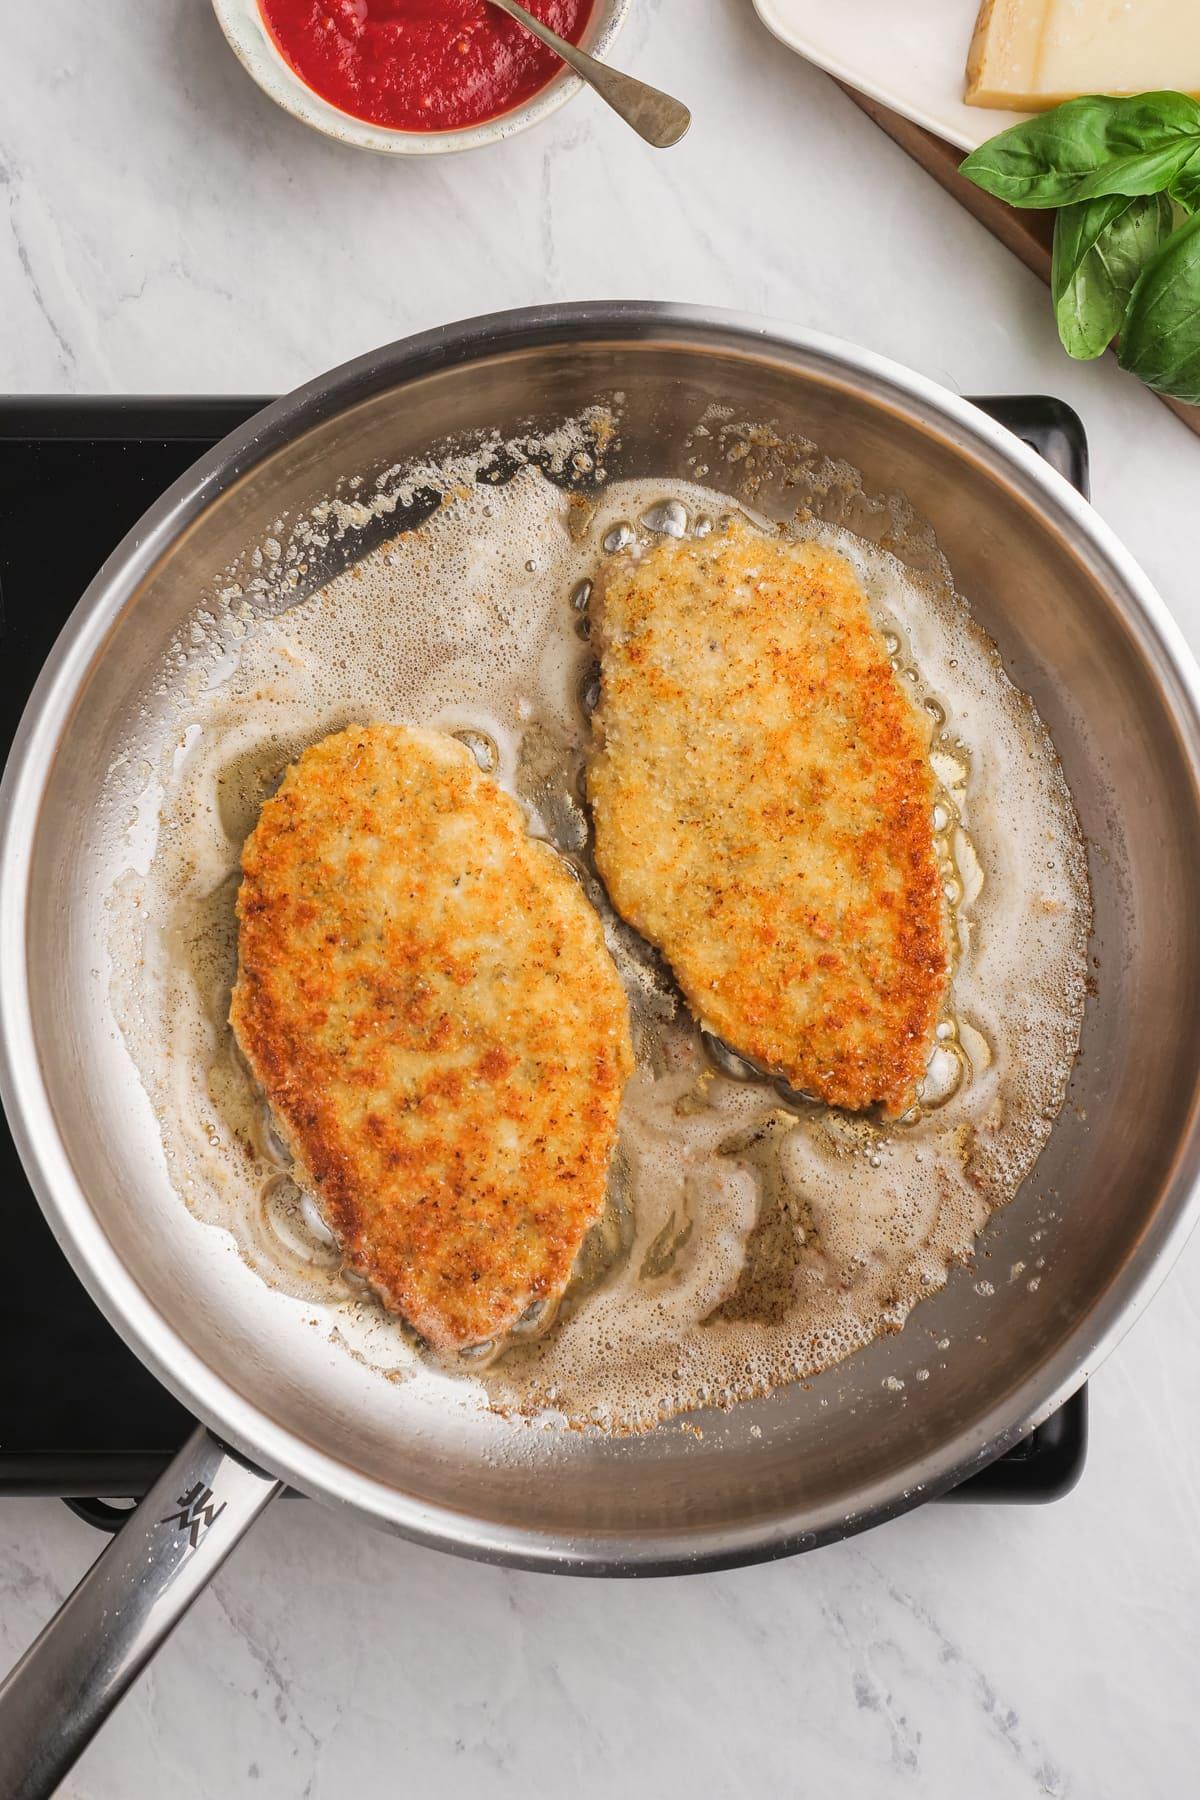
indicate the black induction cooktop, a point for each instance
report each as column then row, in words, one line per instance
column 79, row 1415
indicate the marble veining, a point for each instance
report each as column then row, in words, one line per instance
column 164, row 228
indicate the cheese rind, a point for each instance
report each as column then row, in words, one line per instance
column 1031, row 54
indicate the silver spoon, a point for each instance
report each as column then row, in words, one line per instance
column 653, row 115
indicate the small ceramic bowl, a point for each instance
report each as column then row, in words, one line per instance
column 255, row 49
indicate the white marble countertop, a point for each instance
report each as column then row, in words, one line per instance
column 164, row 228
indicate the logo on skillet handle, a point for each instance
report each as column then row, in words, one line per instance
column 196, row 1513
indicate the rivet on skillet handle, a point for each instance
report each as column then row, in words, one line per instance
column 131, row 1598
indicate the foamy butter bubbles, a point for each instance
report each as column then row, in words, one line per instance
column 752, row 1235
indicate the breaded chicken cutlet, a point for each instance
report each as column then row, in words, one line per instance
column 425, row 997
column 763, row 805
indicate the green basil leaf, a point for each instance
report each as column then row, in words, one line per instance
column 1090, row 147
column 1085, row 307
column 1147, row 172
column 1185, row 189
column 1160, row 339
column 1100, row 249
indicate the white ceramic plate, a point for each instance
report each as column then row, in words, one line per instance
column 910, row 54
column 255, row 49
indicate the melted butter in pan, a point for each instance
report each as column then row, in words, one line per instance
column 751, row 1236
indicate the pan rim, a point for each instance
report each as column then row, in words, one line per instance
column 153, row 1336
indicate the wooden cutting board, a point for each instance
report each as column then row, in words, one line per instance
column 1027, row 234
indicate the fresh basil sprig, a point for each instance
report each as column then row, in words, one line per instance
column 1123, row 173
column 1090, row 147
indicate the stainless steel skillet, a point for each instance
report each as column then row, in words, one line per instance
column 1080, row 629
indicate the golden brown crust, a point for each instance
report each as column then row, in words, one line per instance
column 425, row 996
column 763, row 805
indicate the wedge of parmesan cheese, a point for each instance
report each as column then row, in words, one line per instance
column 1030, row 54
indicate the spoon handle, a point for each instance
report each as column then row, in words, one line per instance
column 655, row 116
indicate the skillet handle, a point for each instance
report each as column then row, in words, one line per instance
column 134, row 1594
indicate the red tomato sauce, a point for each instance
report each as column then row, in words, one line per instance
column 420, row 65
